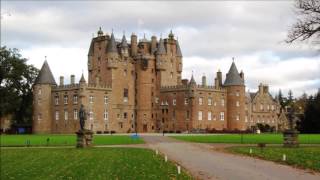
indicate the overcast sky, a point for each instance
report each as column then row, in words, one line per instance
column 209, row 33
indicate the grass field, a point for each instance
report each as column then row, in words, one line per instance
column 305, row 157
column 64, row 140
column 90, row 163
column 248, row 138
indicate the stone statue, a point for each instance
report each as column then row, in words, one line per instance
column 82, row 116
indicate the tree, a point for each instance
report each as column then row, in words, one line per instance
column 307, row 26
column 311, row 120
column 16, row 80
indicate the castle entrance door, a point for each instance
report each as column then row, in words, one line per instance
column 145, row 128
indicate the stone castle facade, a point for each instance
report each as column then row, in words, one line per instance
column 137, row 86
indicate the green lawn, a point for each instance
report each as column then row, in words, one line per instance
column 89, row 163
column 305, row 157
column 62, row 140
column 248, row 138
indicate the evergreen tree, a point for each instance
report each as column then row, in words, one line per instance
column 311, row 121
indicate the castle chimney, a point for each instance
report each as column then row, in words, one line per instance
column 219, row 76
column 204, row 80
column 153, row 44
column 216, row 83
column 72, row 79
column 260, row 88
column 61, row 80
column 134, row 44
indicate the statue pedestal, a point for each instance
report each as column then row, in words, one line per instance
column 290, row 138
column 84, row 138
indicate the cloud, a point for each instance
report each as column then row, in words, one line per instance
column 210, row 33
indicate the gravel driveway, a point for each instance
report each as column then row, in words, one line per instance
column 205, row 163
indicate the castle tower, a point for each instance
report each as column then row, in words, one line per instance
column 235, row 99
column 124, row 47
column 134, row 44
column 42, row 114
column 178, row 61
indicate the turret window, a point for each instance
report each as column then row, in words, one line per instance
column 65, row 99
column 75, row 114
column 56, row 100
column 39, row 117
column 105, row 115
column 125, row 95
column 200, row 115
column 222, row 116
column 209, row 116
column 186, row 101
column 106, row 99
column 222, row 102
column 200, row 100
column 90, row 114
column 65, row 114
column 57, row 115
column 75, row 99
column 91, row 99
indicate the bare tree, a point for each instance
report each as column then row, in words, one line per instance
column 307, row 26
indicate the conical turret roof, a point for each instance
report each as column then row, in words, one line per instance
column 112, row 46
column 82, row 79
column 45, row 75
column 161, row 49
column 124, row 43
column 233, row 78
column 179, row 54
column 192, row 81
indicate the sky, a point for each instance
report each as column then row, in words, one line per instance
column 209, row 33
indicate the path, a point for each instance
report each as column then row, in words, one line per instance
column 205, row 163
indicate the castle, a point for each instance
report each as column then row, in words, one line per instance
column 137, row 86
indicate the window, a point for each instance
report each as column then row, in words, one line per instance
column 57, row 115
column 156, row 99
column 186, row 101
column 171, row 75
column 91, row 99
column 65, row 114
column 200, row 115
column 65, row 99
column 246, row 118
column 125, row 95
column 200, row 100
column 222, row 102
column 39, row 91
column 261, row 106
column 272, row 107
column 174, row 102
column 90, row 114
column 105, row 99
column 105, row 115
column 268, row 107
column 237, row 103
column 237, row 117
column 209, row 116
column 222, row 116
column 125, row 115
column 187, row 115
column 209, row 101
column 75, row 99
column 215, row 103
column 75, row 114
column 56, row 100
column 237, row 93
column 39, row 117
